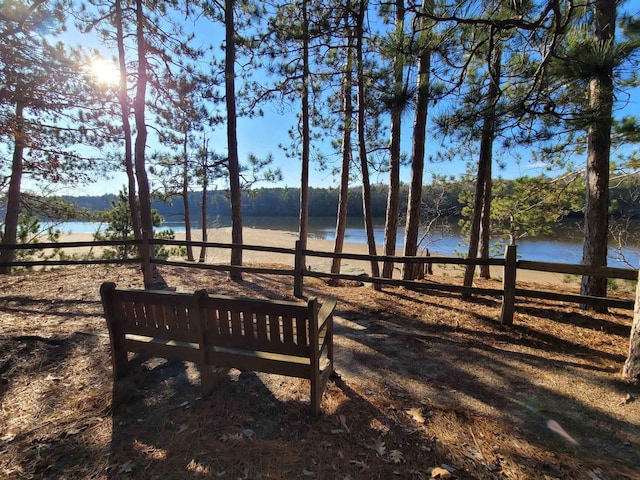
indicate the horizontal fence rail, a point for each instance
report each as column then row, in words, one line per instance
column 509, row 291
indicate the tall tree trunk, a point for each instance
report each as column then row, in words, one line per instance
column 203, row 207
column 185, row 195
column 482, row 201
column 362, row 145
column 123, row 98
column 347, row 107
column 596, row 221
column 10, row 236
column 146, row 221
column 410, row 271
column 232, row 140
column 631, row 370
column 306, row 139
column 488, row 135
column 393, row 198
column 484, row 242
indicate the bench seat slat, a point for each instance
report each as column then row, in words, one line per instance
column 265, row 346
column 158, row 348
column 179, row 335
column 289, row 365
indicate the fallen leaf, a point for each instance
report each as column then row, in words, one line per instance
column 416, row 414
column 308, row 473
column 379, row 447
column 247, row 432
column 183, row 428
column 440, row 473
column 9, row 437
column 396, row 456
column 361, row 465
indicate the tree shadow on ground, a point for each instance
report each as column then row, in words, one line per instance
column 252, row 426
column 486, row 369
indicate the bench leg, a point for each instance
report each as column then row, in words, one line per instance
column 120, row 363
column 316, row 394
column 211, row 376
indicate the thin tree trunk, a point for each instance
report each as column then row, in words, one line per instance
column 484, row 242
column 306, row 140
column 410, row 271
column 203, row 206
column 596, row 221
column 631, row 369
column 362, row 147
column 205, row 185
column 232, row 140
column 393, row 198
column 185, row 196
column 347, row 106
column 482, row 200
column 10, row 236
column 488, row 135
column 123, row 98
column 146, row 221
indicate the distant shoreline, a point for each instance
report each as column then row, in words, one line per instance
column 565, row 247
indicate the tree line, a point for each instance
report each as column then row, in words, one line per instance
column 323, row 202
column 488, row 77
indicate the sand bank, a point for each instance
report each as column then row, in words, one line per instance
column 279, row 238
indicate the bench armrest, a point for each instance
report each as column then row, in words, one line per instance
column 326, row 312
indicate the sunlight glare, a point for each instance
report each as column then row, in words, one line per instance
column 105, row 72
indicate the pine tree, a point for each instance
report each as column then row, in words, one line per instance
column 46, row 107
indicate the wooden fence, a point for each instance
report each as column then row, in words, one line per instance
column 510, row 264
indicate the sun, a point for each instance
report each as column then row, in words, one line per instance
column 105, row 72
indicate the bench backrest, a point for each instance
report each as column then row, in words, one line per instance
column 260, row 325
column 157, row 314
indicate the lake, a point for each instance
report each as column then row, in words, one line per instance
column 564, row 247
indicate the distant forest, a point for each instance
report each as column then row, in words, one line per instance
column 285, row 202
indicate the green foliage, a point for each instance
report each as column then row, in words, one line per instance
column 528, row 206
column 120, row 228
column 30, row 230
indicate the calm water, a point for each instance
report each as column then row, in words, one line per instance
column 564, row 247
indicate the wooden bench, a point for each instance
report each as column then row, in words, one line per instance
column 220, row 332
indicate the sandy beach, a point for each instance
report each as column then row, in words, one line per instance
column 279, row 238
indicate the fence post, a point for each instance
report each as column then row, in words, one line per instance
column 509, row 286
column 298, row 270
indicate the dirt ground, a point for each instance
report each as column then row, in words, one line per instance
column 427, row 386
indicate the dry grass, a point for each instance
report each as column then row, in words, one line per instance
column 424, row 381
